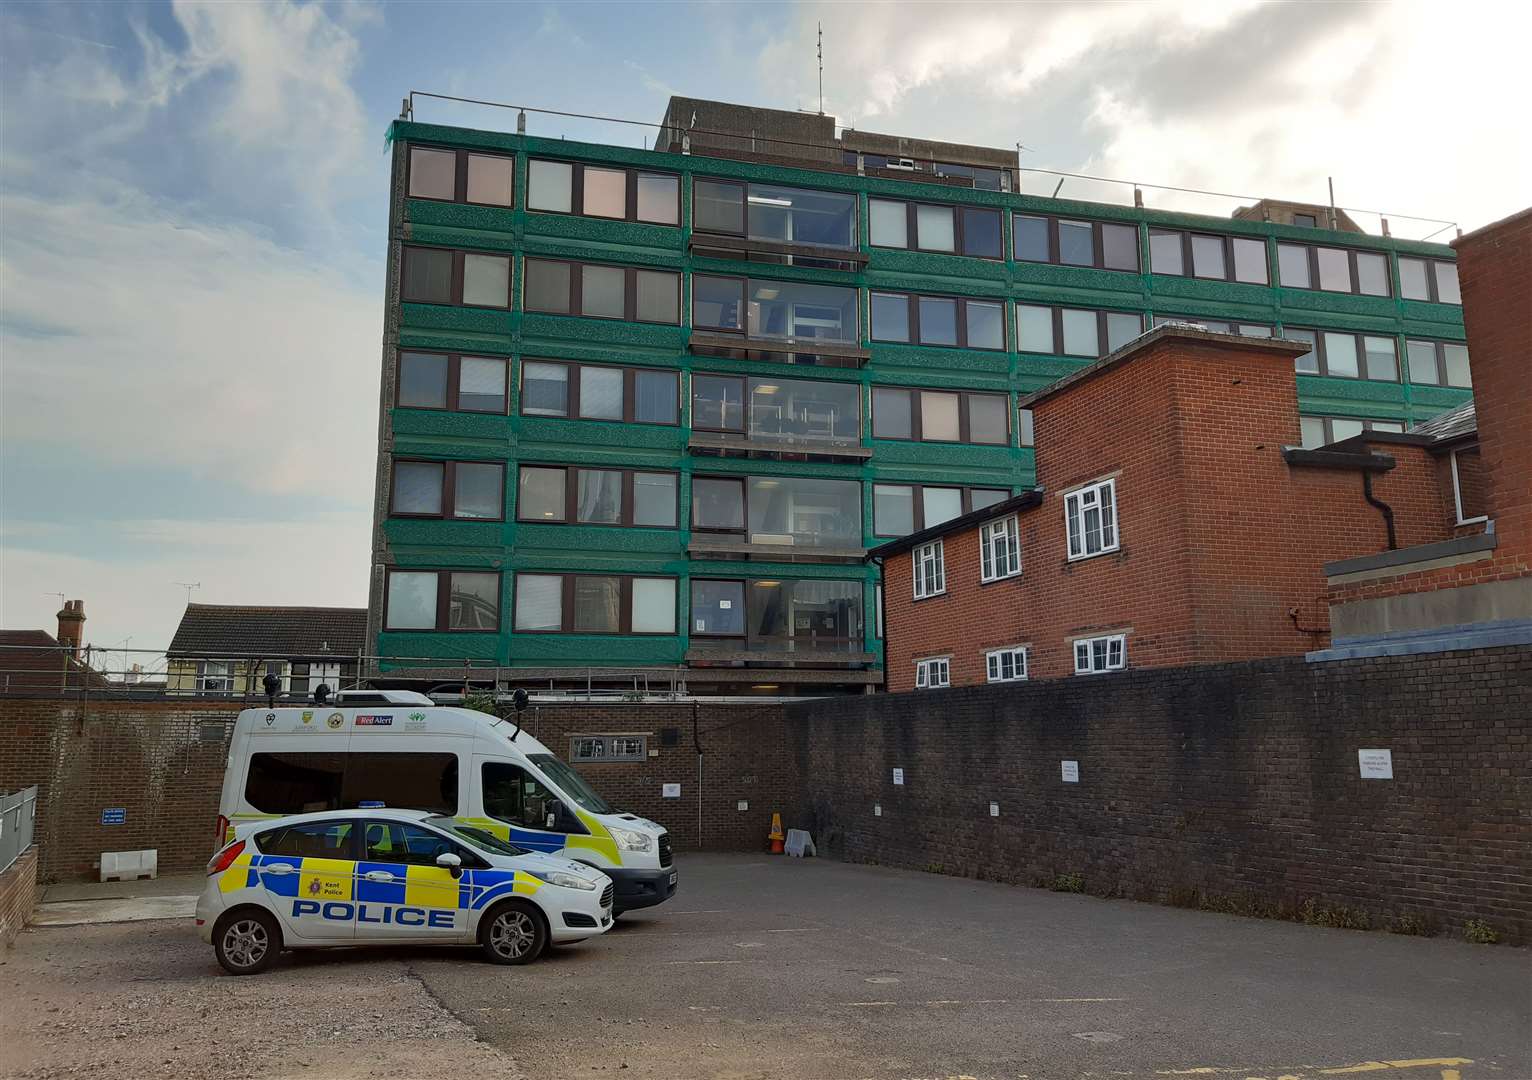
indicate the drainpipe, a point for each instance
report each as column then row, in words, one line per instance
column 1383, row 508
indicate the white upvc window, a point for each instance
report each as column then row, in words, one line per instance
column 1006, row 665
column 933, row 673
column 1000, row 549
column 215, row 676
column 930, row 570
column 1098, row 654
column 1090, row 516
column 1474, row 512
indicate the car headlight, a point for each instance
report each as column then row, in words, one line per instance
column 564, row 879
column 631, row 840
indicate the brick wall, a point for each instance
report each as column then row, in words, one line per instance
column 163, row 762
column 18, row 896
column 1235, row 786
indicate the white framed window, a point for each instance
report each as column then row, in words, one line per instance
column 1465, row 465
column 215, row 676
column 1006, row 665
column 1098, row 654
column 1000, row 549
column 930, row 570
column 933, row 673
column 1090, row 516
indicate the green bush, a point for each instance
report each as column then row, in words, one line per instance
column 1068, row 883
column 1480, row 932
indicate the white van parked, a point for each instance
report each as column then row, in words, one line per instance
column 397, row 749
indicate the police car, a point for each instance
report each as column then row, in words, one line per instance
column 390, row 877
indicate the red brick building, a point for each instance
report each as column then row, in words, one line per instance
column 1177, row 520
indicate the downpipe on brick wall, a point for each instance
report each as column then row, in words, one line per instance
column 1386, row 510
column 697, row 743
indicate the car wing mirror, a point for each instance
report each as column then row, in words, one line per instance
column 451, row 862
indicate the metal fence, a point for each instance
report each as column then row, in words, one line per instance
column 17, row 813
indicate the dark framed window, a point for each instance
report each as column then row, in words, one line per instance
column 901, row 509
column 950, row 230
column 1104, row 245
column 584, row 495
column 1323, row 430
column 804, row 615
column 1333, row 269
column 462, row 490
column 1343, row 355
column 601, row 749
column 789, row 411
column 594, row 604
column 603, row 191
column 465, row 176
column 959, row 416
column 952, row 321
column 1438, row 363
column 575, row 391
column 786, row 511
column 1080, row 332
column 455, row 600
column 451, row 382
column 1212, row 256
column 1434, row 280
column 787, row 310
column 772, row 212
column 461, row 278
column 600, row 291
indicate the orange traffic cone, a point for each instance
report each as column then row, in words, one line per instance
column 776, row 836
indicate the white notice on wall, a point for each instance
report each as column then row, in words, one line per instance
column 899, row 777
column 877, row 810
column 670, row 791
column 725, row 605
column 744, row 804
column 1375, row 764
column 994, row 809
column 1070, row 771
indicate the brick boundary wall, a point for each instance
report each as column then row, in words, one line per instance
column 18, row 896
column 1234, row 787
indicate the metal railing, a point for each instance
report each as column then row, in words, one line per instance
column 18, row 811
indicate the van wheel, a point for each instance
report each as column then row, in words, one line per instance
column 513, row 933
column 247, row 941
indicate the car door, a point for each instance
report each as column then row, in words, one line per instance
column 307, row 872
column 535, row 818
column 402, row 895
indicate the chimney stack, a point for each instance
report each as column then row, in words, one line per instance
column 72, row 626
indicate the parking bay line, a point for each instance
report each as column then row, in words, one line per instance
column 936, row 1002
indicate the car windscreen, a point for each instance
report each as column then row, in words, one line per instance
column 476, row 837
column 571, row 783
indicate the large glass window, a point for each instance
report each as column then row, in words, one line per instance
column 659, row 296
column 1346, row 355
column 1034, row 329
column 804, row 615
column 1166, row 255
column 1208, row 257
column 888, row 223
column 423, row 380
column 775, row 309
column 594, row 604
column 486, row 280
column 481, row 384
column 539, row 603
column 542, row 494
column 1438, row 363
column 411, row 600
column 560, row 493
column 968, row 230
column 1080, row 333
column 890, row 316
column 1293, row 266
column 718, row 504
column 1249, row 260
column 1371, row 274
column 940, row 415
column 791, row 411
column 1429, row 279
column 560, row 187
column 1071, row 242
column 938, row 320
column 487, row 179
column 718, row 608
column 599, row 291
column 1334, row 269
column 415, row 600
column 597, row 392
column 900, row 509
column 1030, row 236
column 433, row 173
column 601, row 393
column 544, row 389
column 772, row 212
column 426, row 277
column 469, row 490
column 550, row 186
column 654, row 499
column 297, row 782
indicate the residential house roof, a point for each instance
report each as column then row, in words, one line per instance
column 255, row 632
column 34, row 660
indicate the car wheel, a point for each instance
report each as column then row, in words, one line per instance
column 513, row 933
column 246, row 942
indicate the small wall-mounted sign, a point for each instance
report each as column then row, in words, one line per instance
column 994, row 809
column 670, row 791
column 899, row 777
column 1070, row 771
column 743, row 804
column 1375, row 764
column 114, row 815
column 877, row 809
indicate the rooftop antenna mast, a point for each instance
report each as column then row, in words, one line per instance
column 821, row 68
column 188, row 586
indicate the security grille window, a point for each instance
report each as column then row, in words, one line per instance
column 774, row 310
column 1343, row 355
column 1331, row 269
column 460, row 278
column 1006, row 665
column 1323, row 430
column 1100, row 654
column 1090, row 516
column 457, row 600
column 595, row 604
column 937, row 320
column 934, row 673
column 1079, row 332
column 597, row 392
column 565, row 187
column 598, row 291
column 940, row 416
column 463, row 176
column 774, row 410
column 966, row 230
column 1205, row 255
column 999, row 549
column 1468, row 485
column 556, row 494
column 1438, row 363
column 593, row 749
column 1429, row 279
column 930, row 570
column 463, row 490
column 900, row 509
column 1099, row 244
column 215, row 676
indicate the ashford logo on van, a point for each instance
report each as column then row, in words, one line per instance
column 374, row 720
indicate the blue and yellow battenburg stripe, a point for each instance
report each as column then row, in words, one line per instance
column 341, row 879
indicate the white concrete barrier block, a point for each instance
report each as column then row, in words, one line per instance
column 129, row 865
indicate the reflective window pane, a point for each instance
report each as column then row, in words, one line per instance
column 1293, row 266
column 422, row 380
column 654, row 605
column 654, row 499
column 1119, row 247
column 659, row 296
column 938, row 321
column 479, row 490
column 1455, row 358
column 659, row 199
column 933, row 227
column 718, row 504
column 718, row 207
column 1382, row 362
column 1422, row 357
column 893, row 509
column 1034, row 329
column 1249, row 260
column 718, row 403
column 890, row 413
column 1340, row 355
column 433, row 173
column 418, row 487
column 1080, row 335
column 941, row 504
column 491, row 179
column 981, row 233
column 544, row 389
column 606, row 192
column 1334, row 269
column 718, row 302
column 803, row 512
column 1122, row 328
column 547, row 286
column 412, row 600
column 601, row 391
column 938, row 416
column 718, row 607
column 803, row 312
column 1031, row 238
column 1208, row 257
column 979, row 498
column 801, row 216
column 1308, row 363
column 986, row 325
column 426, row 276
column 890, row 317
column 601, row 291
column 487, row 280
column 1342, row 428
column 598, row 496
column 988, row 416
column 539, row 602
column 481, row 384
column 654, row 397
column 597, row 604
column 1371, row 274
column 1076, row 243
column 1447, row 291
column 1165, row 253
column 1313, row 429
column 549, row 186
column 541, row 494
column 1412, row 279
column 887, row 224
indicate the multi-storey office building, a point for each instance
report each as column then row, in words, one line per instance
column 648, row 409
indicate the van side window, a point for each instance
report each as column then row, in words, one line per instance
column 514, row 795
column 296, row 783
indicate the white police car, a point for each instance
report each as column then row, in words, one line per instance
column 389, row 877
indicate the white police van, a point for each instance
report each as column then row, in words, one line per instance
column 396, row 748
column 389, row 877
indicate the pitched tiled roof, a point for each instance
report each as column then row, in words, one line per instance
column 241, row 631
column 34, row 660
column 1452, row 424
